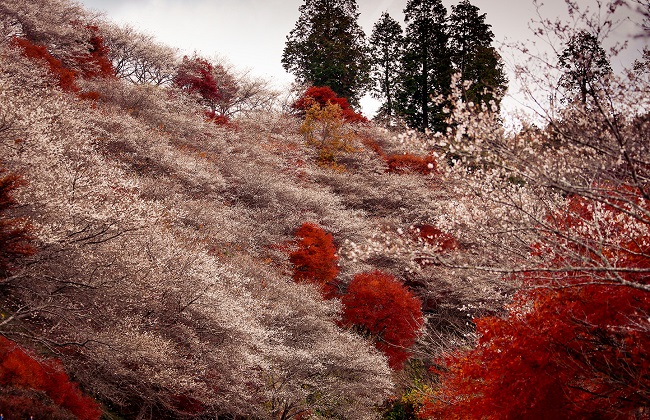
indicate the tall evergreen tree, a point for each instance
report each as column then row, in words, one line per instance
column 426, row 65
column 327, row 47
column 473, row 56
column 584, row 63
column 386, row 45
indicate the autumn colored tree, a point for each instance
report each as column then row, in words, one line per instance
column 212, row 83
column 96, row 63
column 194, row 75
column 324, row 96
column 14, row 233
column 408, row 163
column 39, row 388
column 575, row 343
column 381, row 307
column 434, row 237
column 315, row 260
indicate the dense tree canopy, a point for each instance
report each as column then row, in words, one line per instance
column 473, row 56
column 380, row 306
column 425, row 77
column 575, row 343
column 386, row 44
column 327, row 47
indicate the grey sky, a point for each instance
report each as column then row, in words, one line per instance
column 250, row 34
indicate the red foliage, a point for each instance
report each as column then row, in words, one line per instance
column 24, row 380
column 187, row 404
column 196, row 76
column 14, row 234
column 376, row 147
column 96, row 63
column 435, row 237
column 325, row 96
column 315, row 260
column 219, row 119
column 379, row 305
column 577, row 347
column 66, row 77
column 408, row 163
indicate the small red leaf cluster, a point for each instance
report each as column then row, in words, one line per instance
column 408, row 163
column 39, row 388
column 382, row 307
column 374, row 146
column 14, row 234
column 315, row 259
column 403, row 163
column 576, row 344
column 218, row 119
column 325, row 96
column 97, row 62
column 433, row 236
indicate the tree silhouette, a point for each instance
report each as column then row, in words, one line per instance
column 386, row 44
column 473, row 57
column 585, row 64
column 327, row 47
column 426, row 65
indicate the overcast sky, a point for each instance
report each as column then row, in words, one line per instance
column 251, row 34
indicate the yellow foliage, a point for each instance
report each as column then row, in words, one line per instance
column 325, row 129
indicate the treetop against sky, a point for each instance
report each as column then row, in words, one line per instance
column 251, row 34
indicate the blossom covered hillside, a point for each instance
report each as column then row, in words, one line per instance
column 179, row 241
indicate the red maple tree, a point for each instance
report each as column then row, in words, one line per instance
column 38, row 388
column 315, row 260
column 325, row 96
column 576, row 341
column 381, row 307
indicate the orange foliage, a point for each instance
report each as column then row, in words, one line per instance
column 94, row 64
column 325, row 96
column 24, row 380
column 381, row 306
column 315, row 260
column 408, row 163
column 579, row 345
column 66, row 77
column 14, row 234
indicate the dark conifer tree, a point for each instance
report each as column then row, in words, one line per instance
column 386, row 45
column 473, row 56
column 585, row 64
column 426, row 66
column 327, row 47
